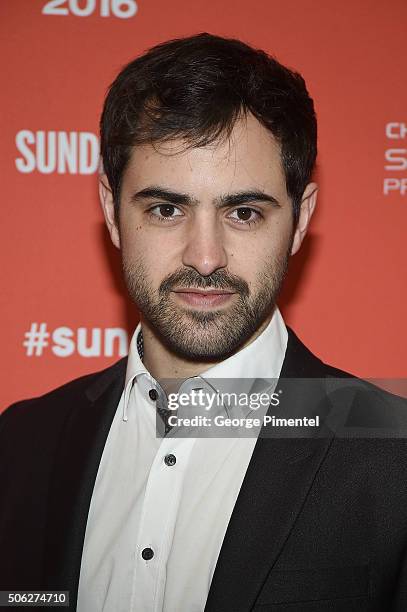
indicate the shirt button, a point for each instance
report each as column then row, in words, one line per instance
column 147, row 554
column 153, row 394
column 170, row 460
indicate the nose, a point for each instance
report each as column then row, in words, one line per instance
column 204, row 250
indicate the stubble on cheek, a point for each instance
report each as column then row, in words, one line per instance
column 213, row 334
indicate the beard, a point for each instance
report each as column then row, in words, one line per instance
column 198, row 335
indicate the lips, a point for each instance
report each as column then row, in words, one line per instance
column 204, row 291
column 204, row 298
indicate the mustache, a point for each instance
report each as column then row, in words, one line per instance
column 220, row 279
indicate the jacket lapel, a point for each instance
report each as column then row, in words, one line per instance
column 276, row 484
column 74, row 474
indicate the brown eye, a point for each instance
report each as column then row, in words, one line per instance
column 164, row 212
column 244, row 214
column 167, row 210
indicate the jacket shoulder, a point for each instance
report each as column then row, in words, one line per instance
column 370, row 406
column 57, row 401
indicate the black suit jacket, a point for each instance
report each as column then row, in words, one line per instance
column 320, row 523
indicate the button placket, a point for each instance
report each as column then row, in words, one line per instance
column 163, row 490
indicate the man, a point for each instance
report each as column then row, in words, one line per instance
column 208, row 148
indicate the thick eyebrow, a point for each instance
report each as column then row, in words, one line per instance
column 230, row 199
column 245, row 197
column 161, row 193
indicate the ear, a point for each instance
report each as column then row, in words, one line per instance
column 308, row 203
column 106, row 200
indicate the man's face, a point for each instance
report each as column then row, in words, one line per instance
column 205, row 235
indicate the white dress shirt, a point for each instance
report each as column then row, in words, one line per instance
column 156, row 526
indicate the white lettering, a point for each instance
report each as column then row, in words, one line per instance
column 395, row 184
column 23, row 139
column 67, row 152
column 112, row 334
column 396, row 131
column 398, row 157
column 43, row 165
column 119, row 8
column 88, row 9
column 88, row 153
column 63, row 345
column 62, row 152
column 94, row 350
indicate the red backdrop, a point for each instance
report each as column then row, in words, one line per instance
column 346, row 292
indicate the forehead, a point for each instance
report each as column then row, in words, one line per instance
column 250, row 157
